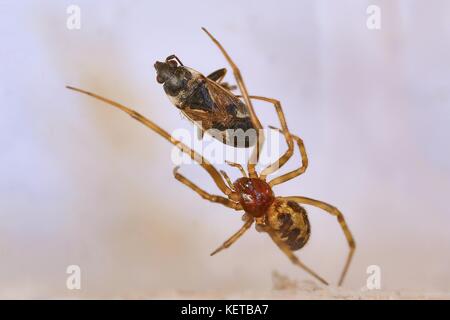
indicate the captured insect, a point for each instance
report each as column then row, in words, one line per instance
column 206, row 101
column 284, row 219
column 212, row 106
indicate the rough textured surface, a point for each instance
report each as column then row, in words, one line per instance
column 285, row 288
column 308, row 294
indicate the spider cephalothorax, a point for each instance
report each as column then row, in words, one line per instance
column 255, row 195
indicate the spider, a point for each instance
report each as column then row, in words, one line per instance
column 284, row 219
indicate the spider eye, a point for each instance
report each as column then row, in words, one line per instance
column 159, row 79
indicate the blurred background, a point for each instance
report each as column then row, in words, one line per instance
column 83, row 184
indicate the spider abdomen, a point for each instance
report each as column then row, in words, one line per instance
column 291, row 223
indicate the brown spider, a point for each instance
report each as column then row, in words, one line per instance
column 282, row 218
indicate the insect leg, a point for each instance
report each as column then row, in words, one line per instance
column 290, row 254
column 218, row 76
column 340, row 217
column 205, row 195
column 235, row 236
column 228, row 86
column 215, row 175
column 172, row 56
column 294, row 173
column 200, row 133
column 255, row 121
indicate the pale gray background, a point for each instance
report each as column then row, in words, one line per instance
column 84, row 184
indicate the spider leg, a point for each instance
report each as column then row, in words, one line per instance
column 227, row 179
column 234, row 237
column 237, row 165
column 255, row 121
column 340, row 217
column 285, row 131
column 290, row 254
column 294, row 173
column 215, row 175
column 205, row 195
